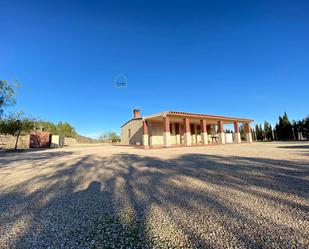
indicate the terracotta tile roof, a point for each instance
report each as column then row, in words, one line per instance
column 198, row 115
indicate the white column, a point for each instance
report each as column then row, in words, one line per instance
column 237, row 138
column 221, row 132
column 167, row 139
column 204, row 137
column 187, row 137
column 204, row 134
column 248, row 132
column 222, row 138
column 187, row 133
column 177, row 135
column 145, row 140
column 166, row 132
column 145, row 134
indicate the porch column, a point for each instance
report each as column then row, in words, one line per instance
column 166, row 132
column 236, row 134
column 248, row 132
column 221, row 132
column 187, row 133
column 145, row 133
column 204, row 132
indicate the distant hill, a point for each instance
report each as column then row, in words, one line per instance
column 84, row 139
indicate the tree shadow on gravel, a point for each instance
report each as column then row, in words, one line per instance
column 299, row 148
column 294, row 147
column 6, row 158
column 133, row 201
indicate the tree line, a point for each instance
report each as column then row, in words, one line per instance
column 61, row 128
column 17, row 124
column 283, row 130
column 109, row 137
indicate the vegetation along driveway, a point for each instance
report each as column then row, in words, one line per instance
column 228, row 196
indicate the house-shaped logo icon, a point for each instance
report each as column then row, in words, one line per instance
column 120, row 81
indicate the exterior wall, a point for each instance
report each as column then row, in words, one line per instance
column 209, row 139
column 181, row 136
column 136, row 127
column 228, row 138
column 57, row 141
column 196, row 139
column 199, row 138
column 40, row 139
column 155, row 133
column 193, row 141
column 70, row 141
column 213, row 129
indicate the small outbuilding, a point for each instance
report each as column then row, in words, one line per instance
column 40, row 139
column 57, row 141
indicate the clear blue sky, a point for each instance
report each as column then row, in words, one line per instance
column 237, row 58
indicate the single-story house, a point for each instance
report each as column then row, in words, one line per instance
column 171, row 128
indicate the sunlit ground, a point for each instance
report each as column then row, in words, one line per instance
column 228, row 196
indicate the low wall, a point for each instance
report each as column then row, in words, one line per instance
column 8, row 142
column 70, row 141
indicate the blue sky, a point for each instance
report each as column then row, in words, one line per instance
column 236, row 58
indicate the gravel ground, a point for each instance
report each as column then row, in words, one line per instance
column 228, row 196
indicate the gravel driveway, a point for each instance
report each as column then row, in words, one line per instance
column 228, row 196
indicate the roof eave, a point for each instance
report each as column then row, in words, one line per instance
column 196, row 115
column 130, row 121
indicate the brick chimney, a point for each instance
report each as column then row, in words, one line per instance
column 136, row 113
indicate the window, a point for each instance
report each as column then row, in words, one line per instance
column 129, row 133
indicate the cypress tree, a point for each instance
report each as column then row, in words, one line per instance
column 306, row 127
column 271, row 135
column 257, row 132
column 287, row 127
column 295, row 130
column 253, row 134
column 261, row 133
column 279, row 128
